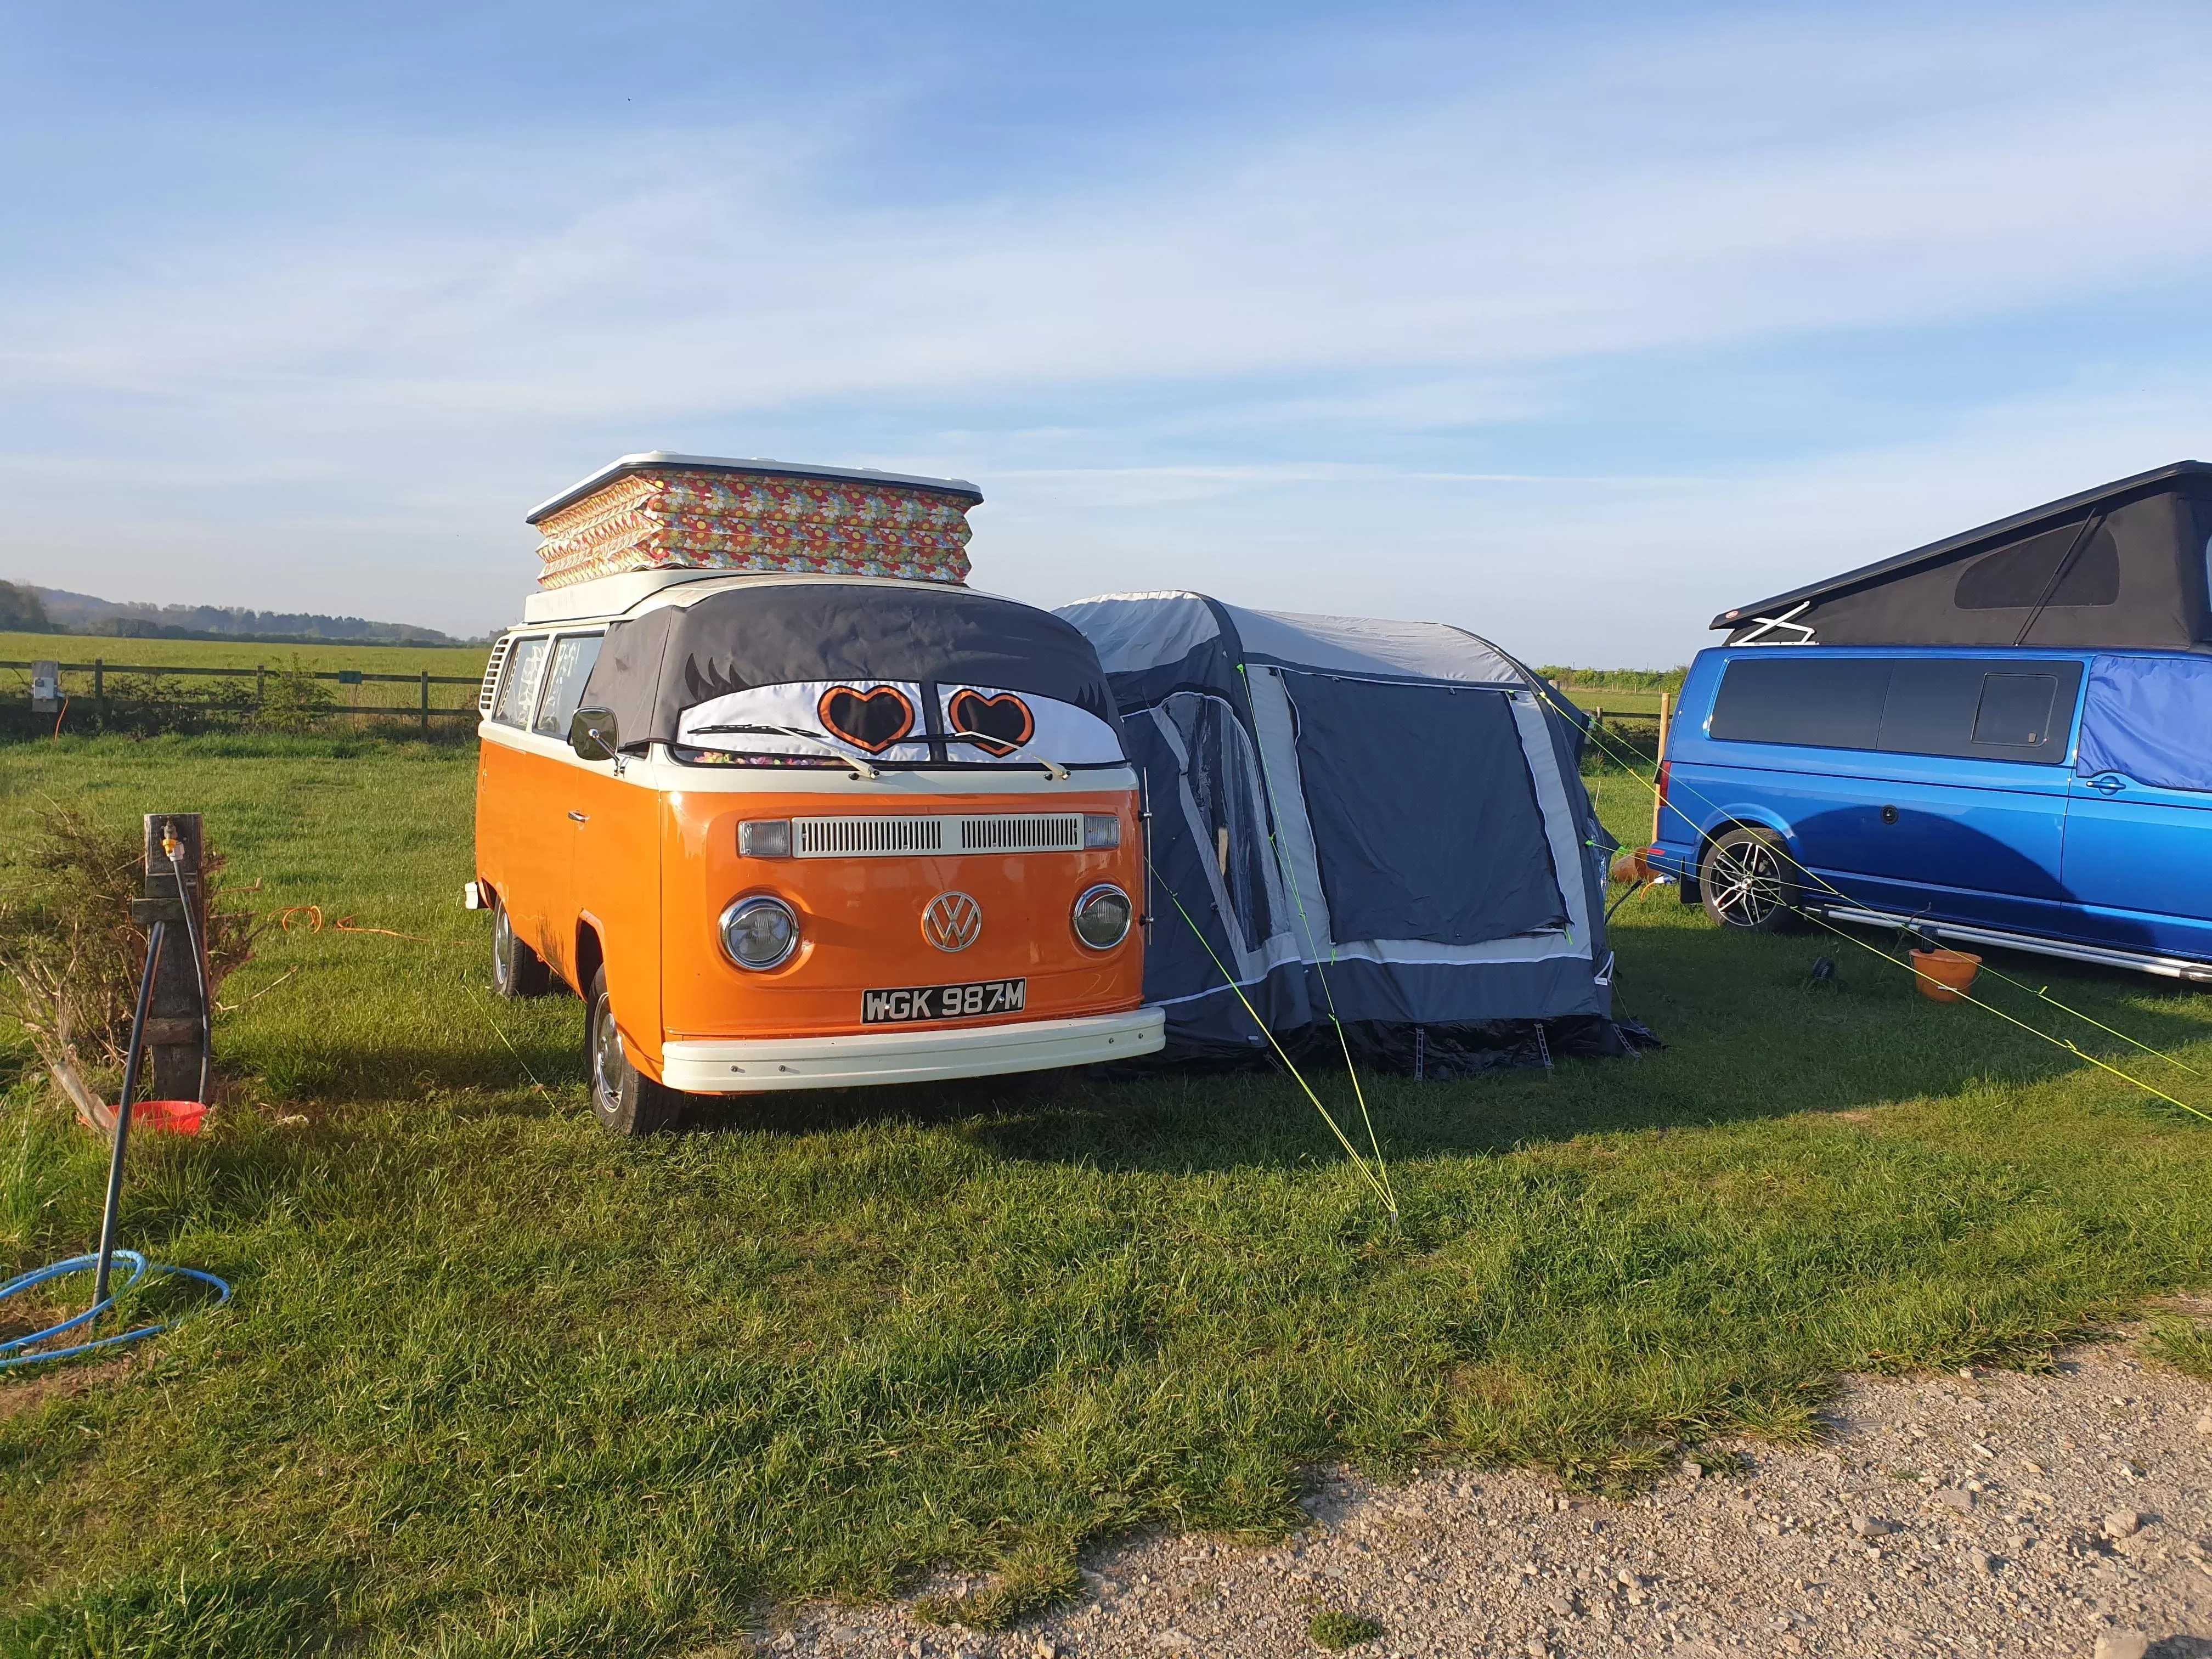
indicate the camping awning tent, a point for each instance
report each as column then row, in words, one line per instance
column 2120, row 566
column 1380, row 821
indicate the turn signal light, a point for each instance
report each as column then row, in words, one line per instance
column 1100, row 830
column 764, row 838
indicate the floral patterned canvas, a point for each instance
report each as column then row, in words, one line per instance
column 701, row 520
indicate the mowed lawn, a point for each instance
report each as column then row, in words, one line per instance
column 493, row 1383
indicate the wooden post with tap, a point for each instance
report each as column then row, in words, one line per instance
column 178, row 1020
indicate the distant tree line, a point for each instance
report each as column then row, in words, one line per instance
column 22, row 611
column 27, row 610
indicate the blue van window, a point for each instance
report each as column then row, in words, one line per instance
column 1972, row 707
column 2015, row 708
column 1822, row 702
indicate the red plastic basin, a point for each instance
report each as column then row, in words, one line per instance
column 172, row 1117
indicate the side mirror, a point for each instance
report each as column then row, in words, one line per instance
column 593, row 735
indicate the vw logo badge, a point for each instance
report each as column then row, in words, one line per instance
column 953, row 922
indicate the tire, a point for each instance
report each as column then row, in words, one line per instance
column 624, row 1100
column 516, row 969
column 1747, row 883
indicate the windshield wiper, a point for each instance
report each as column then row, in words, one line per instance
column 1052, row 768
column 822, row 744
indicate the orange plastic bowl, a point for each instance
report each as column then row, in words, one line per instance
column 1632, row 864
column 172, row 1117
column 1945, row 975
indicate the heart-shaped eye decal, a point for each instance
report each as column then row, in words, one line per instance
column 873, row 721
column 1004, row 720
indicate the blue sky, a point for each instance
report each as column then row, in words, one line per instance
column 1573, row 325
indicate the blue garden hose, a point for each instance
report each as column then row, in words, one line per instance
column 10, row 1352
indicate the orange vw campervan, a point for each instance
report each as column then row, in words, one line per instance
column 784, row 823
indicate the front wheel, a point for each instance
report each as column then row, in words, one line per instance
column 1748, row 882
column 625, row 1101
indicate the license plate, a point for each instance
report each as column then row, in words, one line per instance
column 980, row 997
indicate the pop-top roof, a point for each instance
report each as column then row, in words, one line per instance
column 2193, row 476
column 660, row 461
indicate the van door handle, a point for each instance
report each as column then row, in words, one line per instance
column 580, row 817
column 2108, row 783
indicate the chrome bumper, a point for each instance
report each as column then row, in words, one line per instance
column 748, row 1065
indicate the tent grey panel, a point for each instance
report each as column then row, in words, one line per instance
column 1370, row 648
column 2123, row 566
column 1132, row 632
column 1400, row 781
column 653, row 667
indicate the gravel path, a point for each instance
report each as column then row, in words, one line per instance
column 1984, row 1513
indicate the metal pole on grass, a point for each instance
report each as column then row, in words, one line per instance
column 153, row 938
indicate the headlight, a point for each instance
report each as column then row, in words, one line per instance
column 1103, row 915
column 760, row 933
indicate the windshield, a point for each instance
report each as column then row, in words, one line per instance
column 893, row 723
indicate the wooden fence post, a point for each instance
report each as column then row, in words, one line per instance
column 100, row 685
column 260, row 685
column 177, row 1019
column 426, row 702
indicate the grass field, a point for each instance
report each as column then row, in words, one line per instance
column 493, row 1383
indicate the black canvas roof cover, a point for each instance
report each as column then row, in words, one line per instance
column 2121, row 566
column 655, row 666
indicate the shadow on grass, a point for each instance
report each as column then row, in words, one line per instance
column 1749, row 1035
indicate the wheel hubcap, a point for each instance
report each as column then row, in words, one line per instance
column 502, row 946
column 608, row 1061
column 1749, row 885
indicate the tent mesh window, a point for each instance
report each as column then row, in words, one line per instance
column 2017, row 578
column 1423, row 813
column 1224, row 777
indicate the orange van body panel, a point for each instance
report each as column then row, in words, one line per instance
column 614, row 890
column 859, row 918
column 568, row 846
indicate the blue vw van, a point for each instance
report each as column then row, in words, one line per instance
column 2052, row 801
column 2005, row 737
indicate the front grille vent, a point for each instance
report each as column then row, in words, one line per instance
column 830, row 838
column 1026, row 832
column 890, row 837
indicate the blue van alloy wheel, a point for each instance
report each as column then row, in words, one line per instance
column 1748, row 882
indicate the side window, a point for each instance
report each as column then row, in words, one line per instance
column 1971, row 708
column 572, row 657
column 1977, row 708
column 2017, row 578
column 2016, row 709
column 1822, row 703
column 518, row 683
